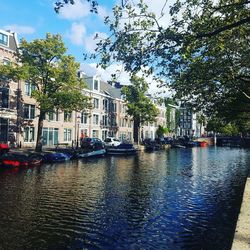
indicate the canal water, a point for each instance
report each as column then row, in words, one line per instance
column 175, row 199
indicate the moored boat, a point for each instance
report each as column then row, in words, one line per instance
column 4, row 148
column 52, row 157
column 152, row 147
column 16, row 160
column 98, row 152
column 203, row 144
column 177, row 145
column 122, row 149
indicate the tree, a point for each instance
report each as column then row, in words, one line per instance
column 161, row 131
column 93, row 4
column 230, row 129
column 60, row 4
column 139, row 106
column 217, row 125
column 171, row 107
column 54, row 74
column 203, row 53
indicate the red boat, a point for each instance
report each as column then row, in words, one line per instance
column 203, row 144
column 4, row 148
column 16, row 160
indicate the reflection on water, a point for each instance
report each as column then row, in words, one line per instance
column 176, row 199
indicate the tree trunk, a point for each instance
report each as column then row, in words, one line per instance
column 136, row 130
column 39, row 139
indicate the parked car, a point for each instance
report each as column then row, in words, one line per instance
column 91, row 143
column 111, row 141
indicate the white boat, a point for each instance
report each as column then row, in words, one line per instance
column 98, row 152
column 177, row 145
column 122, row 149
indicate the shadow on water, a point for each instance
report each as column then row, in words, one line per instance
column 176, row 199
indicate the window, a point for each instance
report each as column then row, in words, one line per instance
column 84, row 118
column 4, row 98
column 28, row 111
column 67, row 134
column 96, row 103
column 95, row 119
column 3, row 39
column 84, row 133
column 50, row 136
column 95, row 133
column 95, row 84
column 29, row 134
column 53, row 116
column 105, row 120
column 4, row 127
column 6, row 61
column 105, row 104
column 67, row 116
column 113, row 121
column 29, row 87
column 104, row 134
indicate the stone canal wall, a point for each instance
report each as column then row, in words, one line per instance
column 242, row 232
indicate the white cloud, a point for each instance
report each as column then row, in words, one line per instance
column 78, row 36
column 103, row 12
column 77, row 33
column 81, row 9
column 76, row 11
column 158, row 7
column 24, row 30
column 92, row 69
column 91, row 41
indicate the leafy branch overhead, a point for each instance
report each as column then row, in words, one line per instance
column 60, row 4
column 202, row 53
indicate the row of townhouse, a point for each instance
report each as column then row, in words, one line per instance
column 103, row 120
column 19, row 113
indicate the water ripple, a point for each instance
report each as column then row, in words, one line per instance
column 179, row 199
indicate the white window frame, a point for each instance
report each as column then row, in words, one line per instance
column 29, row 111
column 67, row 134
column 30, row 131
column 96, row 120
column 3, row 34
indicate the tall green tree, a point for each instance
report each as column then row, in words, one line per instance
column 54, row 74
column 203, row 53
column 172, row 106
column 161, row 131
column 139, row 106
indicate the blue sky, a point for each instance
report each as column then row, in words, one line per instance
column 33, row 18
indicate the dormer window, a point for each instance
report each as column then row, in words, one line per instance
column 96, row 85
column 3, row 39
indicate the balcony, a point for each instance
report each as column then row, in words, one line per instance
column 8, row 113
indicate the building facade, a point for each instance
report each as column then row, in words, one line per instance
column 148, row 130
column 189, row 124
column 9, row 90
column 19, row 112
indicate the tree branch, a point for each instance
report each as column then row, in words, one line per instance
column 229, row 5
column 224, row 28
